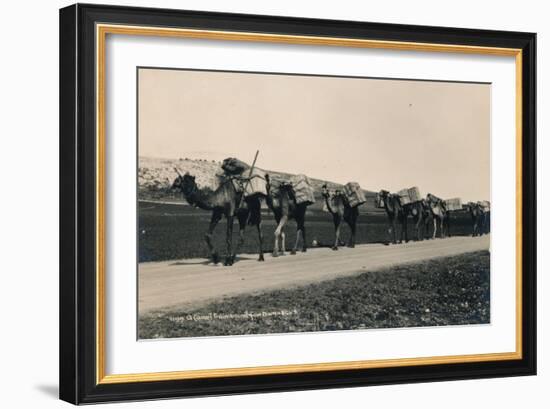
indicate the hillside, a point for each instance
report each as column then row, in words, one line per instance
column 155, row 176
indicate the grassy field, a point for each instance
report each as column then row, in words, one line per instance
column 445, row 291
column 170, row 231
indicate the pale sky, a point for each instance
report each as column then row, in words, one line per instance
column 388, row 134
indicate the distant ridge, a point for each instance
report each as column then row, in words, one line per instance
column 155, row 176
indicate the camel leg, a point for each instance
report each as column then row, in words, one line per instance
column 418, row 226
column 304, row 243
column 402, row 231
column 277, row 234
column 229, row 242
column 394, row 230
column 293, row 251
column 242, row 218
column 353, row 227
column 261, row 241
column 300, row 233
column 337, row 225
column 216, row 217
column 300, row 230
column 435, row 228
column 427, row 227
column 283, row 243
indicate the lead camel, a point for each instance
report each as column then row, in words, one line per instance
column 226, row 201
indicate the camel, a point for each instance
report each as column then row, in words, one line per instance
column 282, row 203
column 340, row 209
column 395, row 212
column 478, row 218
column 440, row 215
column 226, row 201
column 419, row 215
column 486, row 222
column 486, row 227
column 427, row 217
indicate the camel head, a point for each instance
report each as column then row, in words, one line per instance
column 472, row 207
column 184, row 183
column 382, row 197
column 432, row 200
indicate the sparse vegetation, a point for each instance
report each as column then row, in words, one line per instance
column 445, row 291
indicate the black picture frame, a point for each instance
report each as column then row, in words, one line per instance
column 78, row 360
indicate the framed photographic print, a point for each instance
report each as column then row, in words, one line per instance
column 257, row 203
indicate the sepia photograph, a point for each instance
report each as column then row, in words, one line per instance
column 273, row 203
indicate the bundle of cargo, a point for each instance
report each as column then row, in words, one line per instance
column 251, row 180
column 254, row 182
column 485, row 205
column 234, row 166
column 354, row 194
column 453, row 204
column 410, row 195
column 275, row 189
column 303, row 189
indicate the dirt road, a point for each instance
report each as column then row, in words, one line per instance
column 191, row 282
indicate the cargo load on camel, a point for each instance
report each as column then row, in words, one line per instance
column 485, row 205
column 354, row 194
column 234, row 166
column 276, row 184
column 453, row 204
column 251, row 180
column 410, row 195
column 303, row 189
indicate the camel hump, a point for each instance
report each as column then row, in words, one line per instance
column 354, row 194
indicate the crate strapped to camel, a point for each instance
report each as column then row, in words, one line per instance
column 303, row 189
column 354, row 194
column 453, row 204
column 257, row 183
column 275, row 188
column 410, row 195
column 234, row 166
column 250, row 179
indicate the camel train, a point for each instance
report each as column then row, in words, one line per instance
column 242, row 189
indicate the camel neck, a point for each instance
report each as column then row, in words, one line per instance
column 198, row 199
column 327, row 201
